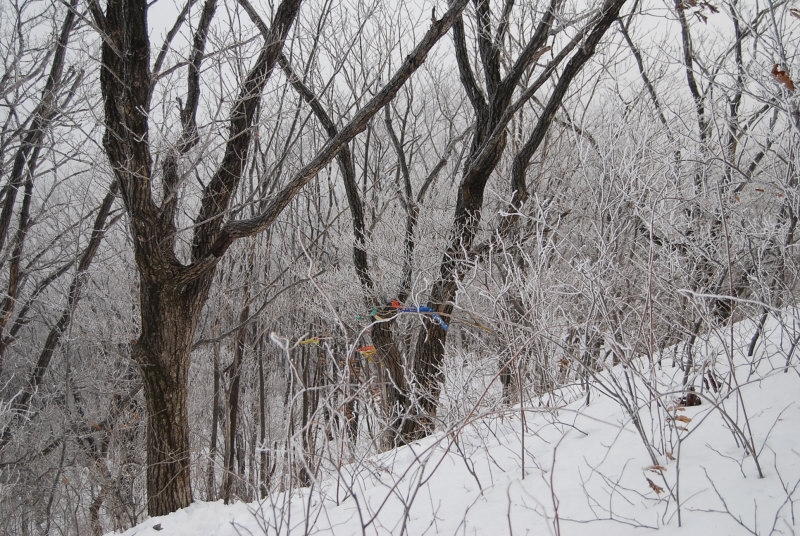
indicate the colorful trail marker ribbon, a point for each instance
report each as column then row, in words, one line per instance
column 420, row 310
column 368, row 352
column 372, row 313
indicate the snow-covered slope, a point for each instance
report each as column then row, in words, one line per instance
column 572, row 468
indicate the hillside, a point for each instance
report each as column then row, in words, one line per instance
column 565, row 467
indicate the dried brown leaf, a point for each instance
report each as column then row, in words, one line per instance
column 655, row 487
column 782, row 78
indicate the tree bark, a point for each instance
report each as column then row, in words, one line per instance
column 169, row 320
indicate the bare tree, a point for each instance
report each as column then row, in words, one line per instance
column 493, row 107
column 172, row 293
column 48, row 245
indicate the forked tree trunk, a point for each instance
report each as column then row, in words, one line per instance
column 172, row 293
column 488, row 144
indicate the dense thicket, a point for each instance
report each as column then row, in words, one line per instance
column 242, row 245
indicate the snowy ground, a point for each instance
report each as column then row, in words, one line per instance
column 573, row 469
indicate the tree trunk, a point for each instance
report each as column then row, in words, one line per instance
column 211, row 482
column 265, row 472
column 168, row 468
column 169, row 317
column 231, row 431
